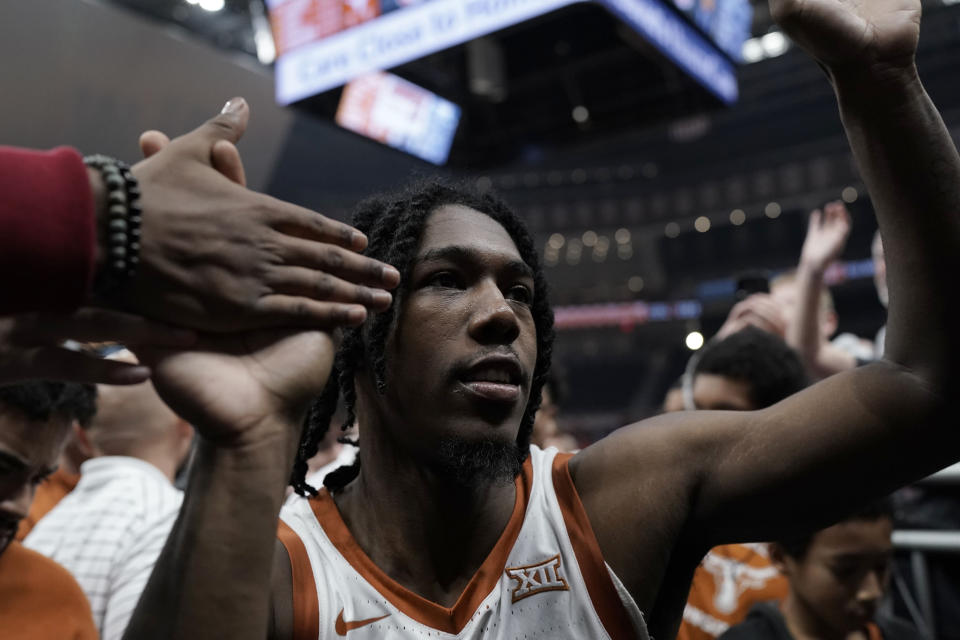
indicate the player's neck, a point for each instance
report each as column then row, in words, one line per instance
column 427, row 533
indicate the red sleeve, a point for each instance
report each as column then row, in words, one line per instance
column 47, row 230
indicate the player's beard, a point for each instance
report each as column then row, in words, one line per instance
column 473, row 463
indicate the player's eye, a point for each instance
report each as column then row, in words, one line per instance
column 521, row 293
column 444, row 280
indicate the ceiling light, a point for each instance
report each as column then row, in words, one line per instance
column 752, row 50
column 694, row 340
column 774, row 44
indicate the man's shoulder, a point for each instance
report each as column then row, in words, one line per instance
column 41, row 599
column 127, row 496
column 32, row 574
column 140, row 489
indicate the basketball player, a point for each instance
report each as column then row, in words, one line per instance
column 452, row 527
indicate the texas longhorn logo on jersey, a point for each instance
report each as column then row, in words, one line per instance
column 536, row 578
column 733, row 577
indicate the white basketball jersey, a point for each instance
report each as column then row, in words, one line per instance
column 544, row 578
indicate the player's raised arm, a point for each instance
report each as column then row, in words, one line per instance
column 659, row 495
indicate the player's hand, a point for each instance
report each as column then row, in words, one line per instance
column 218, row 257
column 826, row 237
column 232, row 387
column 31, row 346
column 877, row 35
column 758, row 310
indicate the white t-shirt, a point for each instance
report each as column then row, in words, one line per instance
column 108, row 532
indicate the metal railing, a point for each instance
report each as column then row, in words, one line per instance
column 920, row 543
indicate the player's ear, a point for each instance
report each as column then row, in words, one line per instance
column 80, row 443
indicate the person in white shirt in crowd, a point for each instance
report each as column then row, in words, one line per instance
column 110, row 529
column 546, row 430
column 799, row 307
column 810, row 317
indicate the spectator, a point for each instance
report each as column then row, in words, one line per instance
column 811, row 319
column 109, row 531
column 751, row 369
column 837, row 578
column 546, row 432
column 673, row 400
column 62, row 481
column 39, row 599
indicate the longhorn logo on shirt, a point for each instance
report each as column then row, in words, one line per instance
column 732, row 578
column 536, row 578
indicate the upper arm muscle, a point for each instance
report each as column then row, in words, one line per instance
column 662, row 492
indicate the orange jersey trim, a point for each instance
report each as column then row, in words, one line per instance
column 306, row 606
column 603, row 593
column 447, row 619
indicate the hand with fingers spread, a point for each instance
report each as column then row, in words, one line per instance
column 826, row 236
column 810, row 321
column 31, row 345
column 216, row 256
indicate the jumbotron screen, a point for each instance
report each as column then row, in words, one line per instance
column 298, row 22
column 387, row 108
column 324, row 44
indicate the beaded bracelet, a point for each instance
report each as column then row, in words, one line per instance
column 122, row 226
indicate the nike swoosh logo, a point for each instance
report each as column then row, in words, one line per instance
column 342, row 627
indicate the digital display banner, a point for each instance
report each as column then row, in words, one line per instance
column 680, row 42
column 400, row 114
column 727, row 22
column 323, row 44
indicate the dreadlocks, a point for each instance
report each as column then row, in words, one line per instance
column 394, row 225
